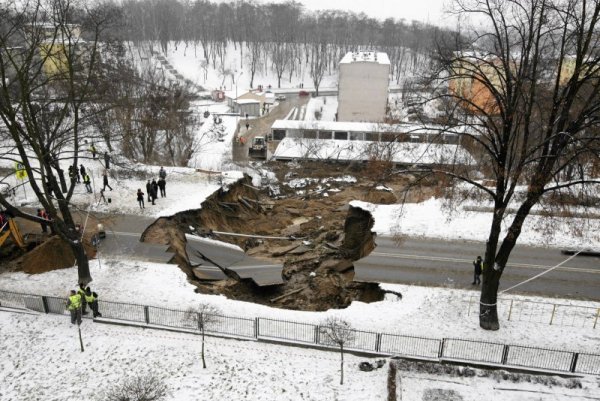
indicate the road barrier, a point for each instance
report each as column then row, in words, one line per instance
column 290, row 332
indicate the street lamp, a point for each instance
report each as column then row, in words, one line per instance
column 236, row 82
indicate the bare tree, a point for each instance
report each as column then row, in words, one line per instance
column 49, row 52
column 203, row 317
column 338, row 332
column 318, row 63
column 528, row 88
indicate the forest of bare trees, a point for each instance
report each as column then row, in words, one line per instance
column 282, row 37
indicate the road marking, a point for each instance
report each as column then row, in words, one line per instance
column 440, row 259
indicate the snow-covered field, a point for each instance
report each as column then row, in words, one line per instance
column 41, row 361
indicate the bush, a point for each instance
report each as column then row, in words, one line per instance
column 148, row 387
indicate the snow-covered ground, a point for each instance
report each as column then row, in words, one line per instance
column 430, row 219
column 34, row 345
column 234, row 76
column 41, row 360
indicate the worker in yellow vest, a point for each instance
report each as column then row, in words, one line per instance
column 74, row 306
column 91, row 298
column 81, row 292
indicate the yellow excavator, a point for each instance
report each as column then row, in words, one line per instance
column 9, row 228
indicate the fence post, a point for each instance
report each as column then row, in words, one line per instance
column 574, row 361
column 597, row 315
column 441, row 350
column 552, row 317
column 317, row 334
column 510, row 309
column 146, row 315
column 504, row 354
column 45, row 304
column 378, row 342
column 256, row 327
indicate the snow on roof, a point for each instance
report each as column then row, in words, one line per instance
column 365, row 127
column 365, row 57
column 402, row 152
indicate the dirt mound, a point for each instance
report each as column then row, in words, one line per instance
column 51, row 255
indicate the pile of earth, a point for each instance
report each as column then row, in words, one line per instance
column 52, row 254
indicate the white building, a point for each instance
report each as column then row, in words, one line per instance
column 363, row 86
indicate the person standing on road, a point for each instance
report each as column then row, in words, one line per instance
column 107, row 160
column 105, row 181
column 74, row 307
column 162, row 173
column 140, row 198
column 162, row 184
column 82, row 170
column 477, row 270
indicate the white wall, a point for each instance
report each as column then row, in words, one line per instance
column 363, row 91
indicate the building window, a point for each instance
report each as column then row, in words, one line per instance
column 372, row 136
column 278, row 134
column 324, row 134
column 311, row 134
column 357, row 136
column 340, row 136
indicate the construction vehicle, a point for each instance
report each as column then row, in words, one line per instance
column 9, row 228
column 258, row 148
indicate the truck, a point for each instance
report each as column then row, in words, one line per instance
column 258, row 148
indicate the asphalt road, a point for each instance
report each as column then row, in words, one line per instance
column 449, row 263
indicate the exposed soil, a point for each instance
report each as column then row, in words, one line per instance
column 330, row 235
column 52, row 254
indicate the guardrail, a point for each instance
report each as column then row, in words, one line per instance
column 449, row 349
column 542, row 312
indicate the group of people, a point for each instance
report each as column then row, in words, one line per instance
column 78, row 302
column 76, row 174
column 152, row 188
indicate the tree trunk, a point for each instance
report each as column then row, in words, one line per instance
column 203, row 360
column 83, row 267
column 488, row 311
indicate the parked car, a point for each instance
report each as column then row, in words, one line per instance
column 303, row 93
column 281, row 98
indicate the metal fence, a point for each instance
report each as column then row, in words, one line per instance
column 544, row 313
column 451, row 349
